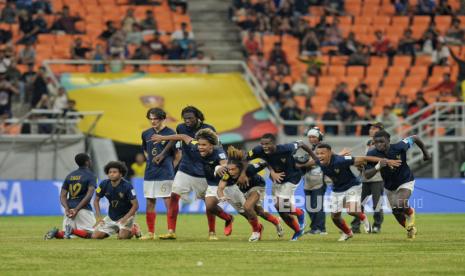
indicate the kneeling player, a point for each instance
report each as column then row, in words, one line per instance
column 123, row 204
column 398, row 181
column 75, row 196
column 246, row 200
column 347, row 188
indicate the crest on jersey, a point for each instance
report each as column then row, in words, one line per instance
column 336, row 170
column 283, row 160
column 398, row 157
column 121, row 195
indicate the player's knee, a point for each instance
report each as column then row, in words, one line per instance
column 98, row 235
column 249, row 208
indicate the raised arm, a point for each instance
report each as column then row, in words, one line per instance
column 421, row 145
column 177, row 137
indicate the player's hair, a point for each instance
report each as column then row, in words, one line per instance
column 192, row 109
column 323, row 146
column 157, row 112
column 207, row 134
column 81, row 159
column 235, row 156
column 382, row 133
column 269, row 136
column 120, row 166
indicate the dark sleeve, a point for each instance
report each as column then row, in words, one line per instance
column 65, row 185
column 254, row 153
column 92, row 180
column 144, row 144
column 291, row 147
column 253, row 169
column 100, row 192
column 131, row 192
column 178, row 130
column 406, row 143
column 344, row 161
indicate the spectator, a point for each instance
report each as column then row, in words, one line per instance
column 251, row 44
column 6, row 93
column 425, row 7
column 27, row 28
column 117, row 45
column 285, row 93
column 201, row 57
column 60, row 101
column 263, row 24
column 39, row 87
column 272, row 91
column 9, row 13
column 455, row 34
column 27, row 54
column 291, row 112
column 461, row 71
column 178, row 3
column 138, row 167
column 321, row 28
column 349, row 45
column 109, row 31
column 301, row 87
column 427, row 43
column 78, row 50
column 381, row 45
column 359, row 57
column 66, row 22
column 446, row 85
column 142, row 53
column 5, row 36
column 387, row 118
column 174, row 51
column 156, row 45
column 128, row 21
column 301, row 7
column 363, row 95
column 149, row 22
column 44, row 104
column 310, row 46
column 301, row 29
column 401, row 6
column 27, row 81
column 42, row 5
column 334, row 7
column 260, row 66
column 444, row 8
column 341, row 95
column 135, row 37
column 333, row 34
column 401, row 108
column 277, row 54
column 367, row 116
column 98, row 55
column 13, row 74
column 331, row 114
column 418, row 104
column 116, row 63
column 187, row 46
column 179, row 34
column 407, row 44
column 441, row 55
column 349, row 116
column 6, row 58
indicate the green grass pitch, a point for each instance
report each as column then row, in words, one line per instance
column 438, row 249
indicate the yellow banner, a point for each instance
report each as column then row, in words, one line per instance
column 225, row 99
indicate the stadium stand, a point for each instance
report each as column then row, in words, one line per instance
column 394, row 48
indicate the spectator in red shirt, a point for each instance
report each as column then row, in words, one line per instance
column 252, row 46
column 447, row 85
column 382, row 45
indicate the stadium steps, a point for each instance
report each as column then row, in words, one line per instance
column 217, row 35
